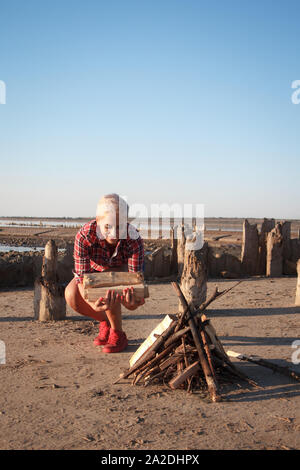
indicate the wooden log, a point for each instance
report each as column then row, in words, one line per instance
column 187, row 362
column 150, row 353
column 263, row 362
column 266, row 227
column 249, row 255
column 211, row 332
column 297, row 298
column 183, row 376
column 193, row 281
column 49, row 300
column 211, row 384
column 158, row 359
column 177, row 335
column 149, row 229
column 174, row 260
column 286, row 240
column 92, row 294
column 181, row 239
column 112, row 278
column 148, row 380
column 274, row 265
column 49, row 266
column 179, row 366
column 173, row 359
column 205, row 343
column 152, row 338
column 160, row 231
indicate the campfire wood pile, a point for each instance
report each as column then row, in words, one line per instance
column 188, row 354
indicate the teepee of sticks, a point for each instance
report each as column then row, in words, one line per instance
column 188, row 354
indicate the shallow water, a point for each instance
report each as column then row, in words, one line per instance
column 22, row 249
column 39, row 223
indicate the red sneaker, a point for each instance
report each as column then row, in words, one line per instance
column 117, row 342
column 103, row 336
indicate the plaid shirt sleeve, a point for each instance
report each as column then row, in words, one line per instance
column 136, row 256
column 82, row 262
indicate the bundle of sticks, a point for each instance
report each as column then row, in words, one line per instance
column 188, row 354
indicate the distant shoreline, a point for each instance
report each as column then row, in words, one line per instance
column 227, row 220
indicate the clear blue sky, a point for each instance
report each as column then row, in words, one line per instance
column 162, row 101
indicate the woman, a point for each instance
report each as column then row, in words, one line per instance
column 107, row 243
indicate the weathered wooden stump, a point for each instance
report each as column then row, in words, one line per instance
column 266, row 227
column 174, row 260
column 49, row 300
column 286, row 241
column 249, row 255
column 180, row 248
column 193, row 282
column 297, row 299
column 274, row 252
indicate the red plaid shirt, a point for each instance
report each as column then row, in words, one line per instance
column 92, row 253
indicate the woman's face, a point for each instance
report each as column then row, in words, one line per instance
column 110, row 228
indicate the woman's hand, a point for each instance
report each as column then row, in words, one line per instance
column 129, row 300
column 111, row 300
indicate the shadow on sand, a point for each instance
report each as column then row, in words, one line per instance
column 273, row 385
column 250, row 312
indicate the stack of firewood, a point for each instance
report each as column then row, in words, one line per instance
column 96, row 284
column 188, row 354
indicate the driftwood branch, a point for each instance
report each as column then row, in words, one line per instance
column 284, row 370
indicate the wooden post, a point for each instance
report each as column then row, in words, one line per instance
column 274, row 252
column 266, row 227
column 194, row 277
column 286, row 242
column 174, row 261
column 160, row 234
column 149, row 228
column 249, row 256
column 49, row 300
column 297, row 299
column 180, row 248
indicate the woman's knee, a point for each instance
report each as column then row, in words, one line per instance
column 71, row 293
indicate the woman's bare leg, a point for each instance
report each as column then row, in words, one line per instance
column 75, row 299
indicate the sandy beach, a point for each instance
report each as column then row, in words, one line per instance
column 58, row 391
column 158, row 139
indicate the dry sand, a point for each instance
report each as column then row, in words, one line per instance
column 57, row 389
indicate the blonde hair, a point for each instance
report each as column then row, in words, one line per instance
column 112, row 204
